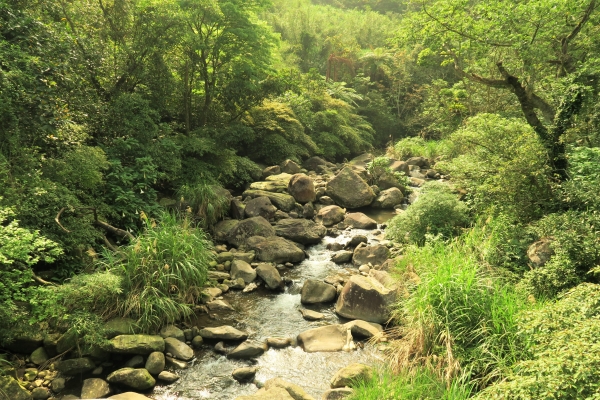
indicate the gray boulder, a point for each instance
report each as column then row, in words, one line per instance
column 241, row 269
column 330, row 215
column 282, row 201
column 300, row 230
column 179, row 349
column 76, row 366
column 136, row 344
column 39, row 356
column 269, row 274
column 388, row 198
column 260, row 207
column 376, row 255
column 352, row 375
column 256, row 226
column 302, row 188
column 245, row 374
column 273, row 170
column 293, row 390
column 342, row 257
column 312, row 163
column 40, row 393
column 289, row 167
column 349, row 190
column 421, row 162
column 172, row 331
column 155, row 363
column 168, row 377
column 311, row 315
column 365, row 298
column 223, row 229
column 314, row 291
column 120, row 326
column 326, row 339
column 359, row 221
column 95, row 388
column 399, row 166
column 223, row 333
column 134, row 378
column 308, row 210
column 364, row 329
column 275, row 249
column 247, row 350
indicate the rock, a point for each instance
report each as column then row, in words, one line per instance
column 10, row 388
column 40, row 393
column 225, row 256
column 342, row 257
column 421, row 162
column 388, row 198
column 274, row 170
column 300, row 230
column 308, row 210
column 208, row 294
column 247, row 257
column 95, row 388
column 260, row 207
column 58, row 385
column 237, row 209
column 155, row 363
column 245, row 374
column 197, row 342
column 25, row 343
column 311, row 315
column 279, row 343
column 295, row 391
column 269, row 274
column 275, row 393
column 290, row 167
column 356, row 240
column 365, row 298
column 173, row 332
column 269, row 186
column 136, row 344
column 76, row 366
column 302, row 188
column 349, row 190
column 352, row 375
column 282, row 201
column 376, row 255
column 174, row 363
column 30, row 374
column 337, row 394
column 326, row 201
column 237, row 284
column 220, row 348
column 39, row 356
column 275, row 249
column 179, row 349
column 219, row 306
column 168, row 377
column 247, row 350
column 134, row 362
column 330, row 215
column 50, row 343
column 250, row 288
column 218, row 276
column 223, row 229
column 137, row 379
column 399, row 166
column 223, row 333
column 388, row 180
column 314, row 291
column 384, row 278
column 416, row 182
column 326, row 338
column 129, row 396
column 364, row 329
column 359, row 221
column 256, row 226
column 241, row 269
column 312, row 163
column 541, row 251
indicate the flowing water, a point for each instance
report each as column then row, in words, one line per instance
column 264, row 314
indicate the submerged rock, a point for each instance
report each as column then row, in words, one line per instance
column 247, row 350
column 244, row 374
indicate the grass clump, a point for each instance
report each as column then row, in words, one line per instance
column 437, row 211
column 417, row 146
column 208, row 203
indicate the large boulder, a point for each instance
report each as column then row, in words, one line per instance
column 25, row 343
column 155, row 364
column 257, row 226
column 95, row 388
column 376, row 255
column 349, row 190
column 399, row 166
column 120, row 326
column 269, row 274
column 178, row 349
column 237, row 210
column 331, row 215
column 283, row 201
column 289, row 167
column 314, row 291
column 223, row 229
column 302, row 187
column 10, row 388
column 388, row 180
column 364, row 329
column 260, row 206
column 241, row 269
column 247, row 350
column 300, row 230
column 39, row 356
column 352, row 375
column 312, row 163
column 134, row 378
column 273, row 170
column 76, row 366
column 326, row 338
column 275, row 249
column 337, row 394
column 224, row 332
column 359, row 221
column 388, row 198
column 365, row 298
column 136, row 344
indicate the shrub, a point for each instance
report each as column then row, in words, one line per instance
column 584, row 169
column 558, row 274
column 162, row 271
column 417, row 146
column 436, row 212
column 502, row 165
column 562, row 351
column 208, row 202
column 380, row 166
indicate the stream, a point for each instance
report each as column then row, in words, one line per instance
column 263, row 314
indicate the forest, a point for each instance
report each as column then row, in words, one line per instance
column 127, row 125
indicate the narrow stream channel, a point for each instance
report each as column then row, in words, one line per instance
column 266, row 314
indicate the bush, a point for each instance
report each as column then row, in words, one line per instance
column 562, row 351
column 502, row 165
column 209, row 202
column 380, row 166
column 584, row 169
column 436, row 212
column 162, row 271
column 457, row 316
column 417, row 146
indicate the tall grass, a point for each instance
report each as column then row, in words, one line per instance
column 162, row 271
column 457, row 318
column 208, row 202
column 417, row 146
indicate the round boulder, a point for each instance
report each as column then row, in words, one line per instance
column 330, row 215
column 388, row 198
column 349, row 190
column 302, row 187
